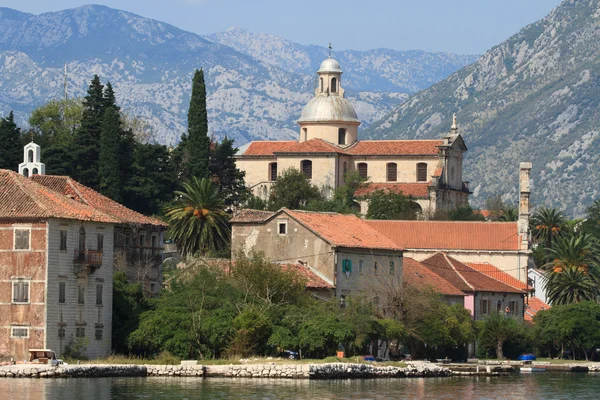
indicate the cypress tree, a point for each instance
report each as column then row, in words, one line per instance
column 110, row 146
column 86, row 143
column 11, row 150
column 198, row 145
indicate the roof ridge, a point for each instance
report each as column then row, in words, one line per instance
column 25, row 190
column 494, row 269
column 450, row 259
column 70, row 183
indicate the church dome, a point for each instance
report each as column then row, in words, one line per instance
column 330, row 65
column 329, row 109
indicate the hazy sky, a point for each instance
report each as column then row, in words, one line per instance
column 461, row 26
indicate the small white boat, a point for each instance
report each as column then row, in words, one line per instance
column 533, row 369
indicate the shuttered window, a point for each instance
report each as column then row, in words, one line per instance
column 63, row 240
column 62, row 289
column 421, row 172
column 392, row 268
column 19, row 333
column 347, row 266
column 392, row 172
column 22, row 239
column 20, row 292
column 98, row 295
column 100, row 242
column 273, row 171
column 80, row 332
column 81, row 294
column 363, row 171
column 306, row 166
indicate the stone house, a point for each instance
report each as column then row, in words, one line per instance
column 328, row 147
column 56, row 258
column 342, row 250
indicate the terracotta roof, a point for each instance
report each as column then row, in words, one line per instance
column 464, row 277
column 396, row 147
column 251, row 216
column 343, row 230
column 450, row 235
column 267, row 148
column 416, row 274
column 485, row 213
column 313, row 281
column 419, row 190
column 23, row 198
column 85, row 195
column 533, row 306
column 311, row 146
column 499, row 275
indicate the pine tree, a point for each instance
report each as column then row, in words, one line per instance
column 86, row 144
column 225, row 173
column 58, row 159
column 109, row 171
column 198, row 146
column 11, row 150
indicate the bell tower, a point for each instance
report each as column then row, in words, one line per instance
column 329, row 78
column 32, row 165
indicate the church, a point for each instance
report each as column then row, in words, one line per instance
column 328, row 147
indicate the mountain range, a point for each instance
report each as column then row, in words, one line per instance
column 256, row 84
column 534, row 97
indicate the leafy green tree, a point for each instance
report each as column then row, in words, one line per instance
column 198, row 222
column 465, row 213
column 109, row 171
column 255, row 203
column 225, row 173
column 86, row 143
column 198, row 143
column 128, row 303
column 547, row 225
column 495, row 330
column 252, row 331
column 11, row 150
column 591, row 224
column 391, row 205
column 343, row 201
column 292, row 190
column 55, row 123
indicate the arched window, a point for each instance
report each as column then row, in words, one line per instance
column 81, row 238
column 321, row 79
column 273, row 171
column 306, row 167
column 34, row 171
column 30, row 155
column 26, row 172
column 363, row 171
column 392, row 172
column 422, row 172
column 342, row 136
column 333, row 85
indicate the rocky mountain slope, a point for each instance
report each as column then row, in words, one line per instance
column 534, row 97
column 150, row 65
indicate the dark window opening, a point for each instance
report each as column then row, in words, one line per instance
column 63, row 240
column 20, row 292
column 100, row 247
column 80, row 294
column 333, row 85
column 421, row 172
column 321, row 79
column 98, row 335
column 342, row 136
column 273, row 171
column 35, row 171
column 282, row 228
column 30, row 156
column 98, row 295
column 81, row 238
column 80, row 332
column 392, row 172
column 363, row 171
column 26, row 172
column 62, row 292
column 306, row 166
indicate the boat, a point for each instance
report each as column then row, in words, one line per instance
column 535, row 368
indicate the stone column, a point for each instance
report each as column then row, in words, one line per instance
column 524, row 193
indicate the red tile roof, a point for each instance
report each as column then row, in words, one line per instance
column 395, row 147
column 251, row 216
column 464, row 277
column 23, row 198
column 418, row 190
column 450, row 235
column 267, row 148
column 499, row 275
column 416, row 274
column 313, row 281
column 84, row 195
column 532, row 306
column 343, row 230
column 311, row 146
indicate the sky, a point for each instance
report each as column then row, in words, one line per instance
column 458, row 26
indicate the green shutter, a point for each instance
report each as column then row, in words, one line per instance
column 347, row 266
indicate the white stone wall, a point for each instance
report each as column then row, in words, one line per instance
column 61, row 269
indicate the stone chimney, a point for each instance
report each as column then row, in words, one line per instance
column 524, row 193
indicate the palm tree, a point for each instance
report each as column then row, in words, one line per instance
column 574, row 274
column 547, row 225
column 508, row 214
column 198, row 222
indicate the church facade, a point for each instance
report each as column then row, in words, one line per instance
column 328, row 147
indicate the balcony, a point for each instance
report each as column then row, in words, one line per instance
column 87, row 260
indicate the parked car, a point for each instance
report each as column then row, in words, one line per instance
column 289, row 354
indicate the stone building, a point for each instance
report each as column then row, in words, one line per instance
column 328, row 146
column 342, row 250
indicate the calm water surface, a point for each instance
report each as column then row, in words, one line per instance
column 533, row 386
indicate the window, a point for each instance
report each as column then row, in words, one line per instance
column 514, row 308
column 80, row 332
column 61, row 333
column 392, row 268
column 361, row 264
column 30, row 156
column 306, row 167
column 142, row 240
column 98, row 295
column 273, row 171
column 62, row 290
column 20, row 292
column 333, row 85
column 22, row 239
column 153, row 240
column 363, row 171
column 499, row 306
column 304, row 134
column 81, row 238
column 375, row 266
column 421, row 172
column 35, row 171
column 98, row 334
column 63, row 240
column 26, row 172
column 485, row 306
column 392, row 172
column 152, row 287
column 342, row 136
column 80, row 294
column 321, row 80
column 100, row 247
column 19, row 332
column 282, row 228
column 347, row 266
